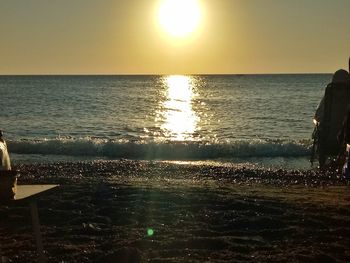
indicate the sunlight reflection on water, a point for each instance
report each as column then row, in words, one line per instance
column 179, row 121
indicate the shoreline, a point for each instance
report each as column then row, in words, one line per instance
column 125, row 170
column 199, row 213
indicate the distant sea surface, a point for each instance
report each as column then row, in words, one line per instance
column 245, row 119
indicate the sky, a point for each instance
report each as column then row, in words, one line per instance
column 125, row 37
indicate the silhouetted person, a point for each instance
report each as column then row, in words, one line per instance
column 330, row 115
column 340, row 77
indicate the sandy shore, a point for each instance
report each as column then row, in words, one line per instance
column 198, row 213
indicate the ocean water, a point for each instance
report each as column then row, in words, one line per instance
column 254, row 119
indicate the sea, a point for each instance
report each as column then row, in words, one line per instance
column 253, row 120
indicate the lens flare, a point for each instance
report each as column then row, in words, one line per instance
column 150, row 232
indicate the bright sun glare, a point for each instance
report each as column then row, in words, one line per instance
column 179, row 18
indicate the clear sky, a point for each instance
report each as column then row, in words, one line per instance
column 125, row 37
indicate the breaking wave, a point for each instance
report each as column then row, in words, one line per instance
column 160, row 150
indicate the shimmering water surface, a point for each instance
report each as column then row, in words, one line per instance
column 211, row 117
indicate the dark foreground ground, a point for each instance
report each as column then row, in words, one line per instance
column 198, row 213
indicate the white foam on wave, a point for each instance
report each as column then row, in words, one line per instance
column 160, row 150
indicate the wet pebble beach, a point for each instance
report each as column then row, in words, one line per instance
column 147, row 211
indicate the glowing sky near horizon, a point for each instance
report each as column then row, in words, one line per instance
column 125, row 37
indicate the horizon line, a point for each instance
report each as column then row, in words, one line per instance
column 160, row 74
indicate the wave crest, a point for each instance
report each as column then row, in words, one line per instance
column 161, row 150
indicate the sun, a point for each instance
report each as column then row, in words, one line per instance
column 179, row 18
